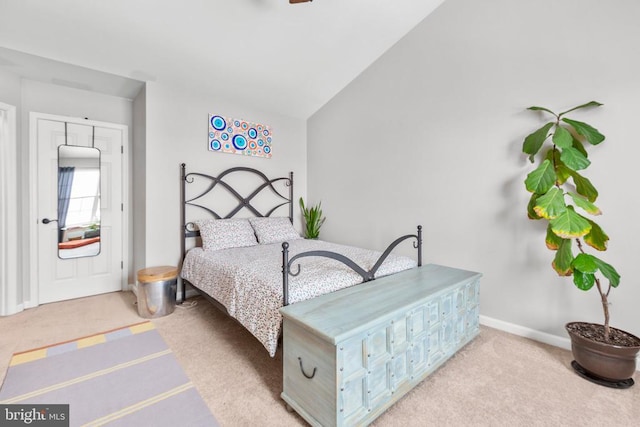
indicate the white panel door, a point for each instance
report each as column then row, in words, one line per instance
column 62, row 279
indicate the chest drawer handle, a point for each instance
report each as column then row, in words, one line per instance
column 313, row 374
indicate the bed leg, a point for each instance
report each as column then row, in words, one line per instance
column 285, row 273
column 419, row 246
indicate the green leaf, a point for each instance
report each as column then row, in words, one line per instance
column 570, row 224
column 590, row 133
column 582, row 280
column 585, row 263
column 588, row 265
column 562, row 172
column 578, row 145
column 562, row 261
column 553, row 242
column 541, row 179
column 313, row 219
column 550, row 154
column 562, row 137
column 532, row 202
column 551, row 204
column 534, row 141
column 596, row 238
column 584, row 187
column 609, row 272
column 588, row 104
column 574, row 159
column 583, row 203
column 534, row 108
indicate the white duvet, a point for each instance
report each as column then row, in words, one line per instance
column 248, row 281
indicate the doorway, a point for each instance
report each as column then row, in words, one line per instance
column 79, row 199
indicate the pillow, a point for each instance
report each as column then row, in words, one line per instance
column 273, row 230
column 226, row 233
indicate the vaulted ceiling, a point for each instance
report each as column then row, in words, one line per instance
column 287, row 58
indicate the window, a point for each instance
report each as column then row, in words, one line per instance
column 84, row 203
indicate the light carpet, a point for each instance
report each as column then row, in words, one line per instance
column 127, row 376
column 499, row 379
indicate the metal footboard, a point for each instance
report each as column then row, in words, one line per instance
column 367, row 275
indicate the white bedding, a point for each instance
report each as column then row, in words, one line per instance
column 248, row 281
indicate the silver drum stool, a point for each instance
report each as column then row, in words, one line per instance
column 157, row 291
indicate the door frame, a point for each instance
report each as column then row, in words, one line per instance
column 33, row 197
column 9, row 217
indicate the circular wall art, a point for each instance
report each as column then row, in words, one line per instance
column 240, row 142
column 218, row 123
column 238, row 136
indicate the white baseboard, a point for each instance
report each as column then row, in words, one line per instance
column 542, row 337
column 522, row 331
column 12, row 310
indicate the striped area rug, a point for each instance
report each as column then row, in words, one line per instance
column 124, row 377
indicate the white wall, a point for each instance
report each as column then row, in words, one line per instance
column 9, row 88
column 10, row 296
column 177, row 132
column 65, row 101
column 432, row 133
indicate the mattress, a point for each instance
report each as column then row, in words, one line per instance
column 248, row 281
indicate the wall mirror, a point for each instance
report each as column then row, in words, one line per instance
column 78, row 201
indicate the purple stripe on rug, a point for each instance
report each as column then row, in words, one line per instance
column 62, row 348
column 119, row 333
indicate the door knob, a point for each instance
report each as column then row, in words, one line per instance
column 47, row 220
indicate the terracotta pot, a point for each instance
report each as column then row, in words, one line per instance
column 606, row 361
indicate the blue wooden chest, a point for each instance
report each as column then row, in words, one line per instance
column 351, row 354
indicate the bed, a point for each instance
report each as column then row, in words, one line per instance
column 251, row 266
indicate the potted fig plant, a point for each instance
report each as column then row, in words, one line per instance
column 313, row 219
column 562, row 196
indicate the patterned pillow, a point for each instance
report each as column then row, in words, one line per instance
column 273, row 230
column 225, row 233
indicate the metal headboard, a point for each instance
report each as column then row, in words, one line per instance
column 244, row 202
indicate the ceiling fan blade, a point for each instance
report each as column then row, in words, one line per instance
column 299, row 1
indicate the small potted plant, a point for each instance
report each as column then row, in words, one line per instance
column 313, row 219
column 562, row 196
